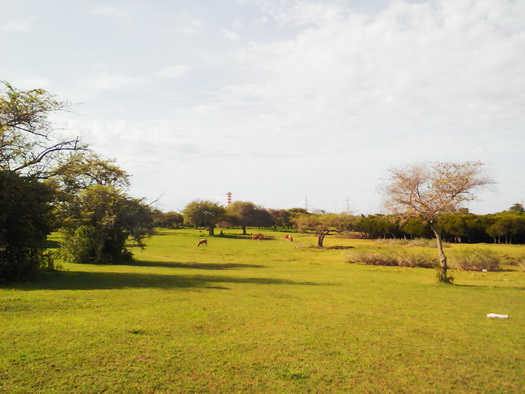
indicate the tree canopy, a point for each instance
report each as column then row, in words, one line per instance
column 204, row 213
column 244, row 213
column 28, row 143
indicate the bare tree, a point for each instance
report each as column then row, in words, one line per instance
column 429, row 190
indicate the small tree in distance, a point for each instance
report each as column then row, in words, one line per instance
column 204, row 213
column 319, row 224
column 429, row 190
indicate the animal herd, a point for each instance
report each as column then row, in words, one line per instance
column 255, row 237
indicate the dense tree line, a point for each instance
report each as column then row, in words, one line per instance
column 461, row 227
column 502, row 227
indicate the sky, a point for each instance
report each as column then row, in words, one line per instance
column 283, row 103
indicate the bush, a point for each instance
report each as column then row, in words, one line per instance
column 475, row 260
column 399, row 258
column 419, row 242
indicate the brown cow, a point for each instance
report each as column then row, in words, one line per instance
column 288, row 238
column 257, row 237
column 203, row 242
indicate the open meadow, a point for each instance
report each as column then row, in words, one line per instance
column 262, row 316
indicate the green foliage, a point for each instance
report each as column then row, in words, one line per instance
column 517, row 208
column 27, row 142
column 80, row 170
column 281, row 218
column 99, row 221
column 26, row 218
column 245, row 213
column 204, row 213
column 319, row 224
column 169, row 219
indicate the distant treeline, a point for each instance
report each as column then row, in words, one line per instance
column 503, row 227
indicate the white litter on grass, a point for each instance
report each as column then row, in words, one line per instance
column 498, row 316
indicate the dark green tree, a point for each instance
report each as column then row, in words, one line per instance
column 281, row 218
column 517, row 208
column 245, row 213
column 205, row 214
column 169, row 219
column 26, row 219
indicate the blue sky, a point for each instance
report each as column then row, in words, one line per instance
column 280, row 101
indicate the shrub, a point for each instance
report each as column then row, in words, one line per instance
column 389, row 257
column 475, row 260
column 419, row 242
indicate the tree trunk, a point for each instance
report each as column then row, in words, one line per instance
column 320, row 238
column 443, row 267
column 243, row 229
column 211, row 231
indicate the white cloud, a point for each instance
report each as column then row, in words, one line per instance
column 320, row 96
column 16, row 26
column 106, row 81
column 230, row 35
column 187, row 24
column 106, row 10
column 175, row 71
column 414, row 61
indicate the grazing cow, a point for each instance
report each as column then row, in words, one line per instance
column 288, row 238
column 203, row 242
column 257, row 237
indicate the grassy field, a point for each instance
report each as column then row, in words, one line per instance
column 269, row 316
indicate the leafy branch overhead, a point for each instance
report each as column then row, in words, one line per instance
column 28, row 143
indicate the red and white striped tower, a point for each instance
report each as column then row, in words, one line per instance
column 228, row 198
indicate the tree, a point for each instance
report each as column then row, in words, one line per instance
column 169, row 219
column 508, row 225
column 517, row 208
column 281, row 218
column 29, row 148
column 430, row 190
column 26, row 219
column 342, row 222
column 79, row 170
column 28, row 144
column 415, row 227
column 97, row 215
column 245, row 213
column 98, row 222
column 319, row 224
column 204, row 213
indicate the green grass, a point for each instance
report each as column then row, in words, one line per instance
column 269, row 316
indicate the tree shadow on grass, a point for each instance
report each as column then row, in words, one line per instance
column 194, row 265
column 487, row 286
column 80, row 280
